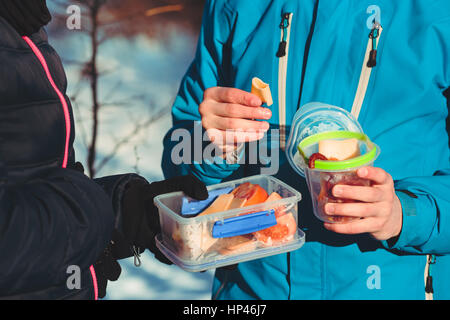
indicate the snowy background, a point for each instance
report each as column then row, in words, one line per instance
column 139, row 74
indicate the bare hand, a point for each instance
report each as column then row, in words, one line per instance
column 229, row 114
column 380, row 208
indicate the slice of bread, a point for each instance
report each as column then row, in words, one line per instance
column 237, row 203
column 262, row 90
column 222, row 203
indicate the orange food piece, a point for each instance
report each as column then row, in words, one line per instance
column 246, row 194
column 237, row 203
column 275, row 197
column 283, row 231
column 222, row 203
column 254, row 193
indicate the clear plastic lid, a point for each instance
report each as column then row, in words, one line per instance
column 368, row 151
column 314, row 118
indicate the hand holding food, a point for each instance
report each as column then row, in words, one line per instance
column 230, row 116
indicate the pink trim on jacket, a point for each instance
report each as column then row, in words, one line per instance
column 58, row 92
column 94, row 282
column 41, row 59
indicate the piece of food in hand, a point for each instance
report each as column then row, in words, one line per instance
column 283, row 231
column 222, row 203
column 237, row 245
column 338, row 150
column 312, row 159
column 262, row 90
column 253, row 193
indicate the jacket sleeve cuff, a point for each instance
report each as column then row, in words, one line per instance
column 213, row 172
column 416, row 226
column 115, row 186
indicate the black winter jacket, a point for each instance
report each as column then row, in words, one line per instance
column 53, row 219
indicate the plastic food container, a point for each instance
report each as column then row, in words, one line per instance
column 316, row 121
column 313, row 118
column 210, row 241
column 327, row 174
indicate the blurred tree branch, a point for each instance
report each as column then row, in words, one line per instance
column 94, row 9
column 126, row 139
column 102, row 20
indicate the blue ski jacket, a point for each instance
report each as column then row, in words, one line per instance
column 401, row 105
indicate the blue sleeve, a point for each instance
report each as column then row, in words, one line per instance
column 426, row 213
column 426, row 202
column 205, row 72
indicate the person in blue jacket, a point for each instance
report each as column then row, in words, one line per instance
column 387, row 62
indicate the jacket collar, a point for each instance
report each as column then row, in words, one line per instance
column 9, row 38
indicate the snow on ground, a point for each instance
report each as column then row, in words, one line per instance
column 157, row 281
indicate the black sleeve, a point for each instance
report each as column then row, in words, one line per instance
column 53, row 220
column 115, row 187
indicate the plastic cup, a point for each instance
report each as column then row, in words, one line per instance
column 328, row 174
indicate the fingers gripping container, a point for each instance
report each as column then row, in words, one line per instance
column 318, row 121
column 215, row 240
column 327, row 174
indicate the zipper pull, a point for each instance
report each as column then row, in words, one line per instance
column 374, row 33
column 137, row 256
column 283, row 26
column 429, row 285
column 281, row 49
column 372, row 59
column 429, row 281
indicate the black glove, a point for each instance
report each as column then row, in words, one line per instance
column 140, row 218
column 107, row 268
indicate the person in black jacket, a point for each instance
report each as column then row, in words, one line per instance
column 53, row 218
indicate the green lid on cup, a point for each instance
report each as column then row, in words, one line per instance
column 369, row 156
